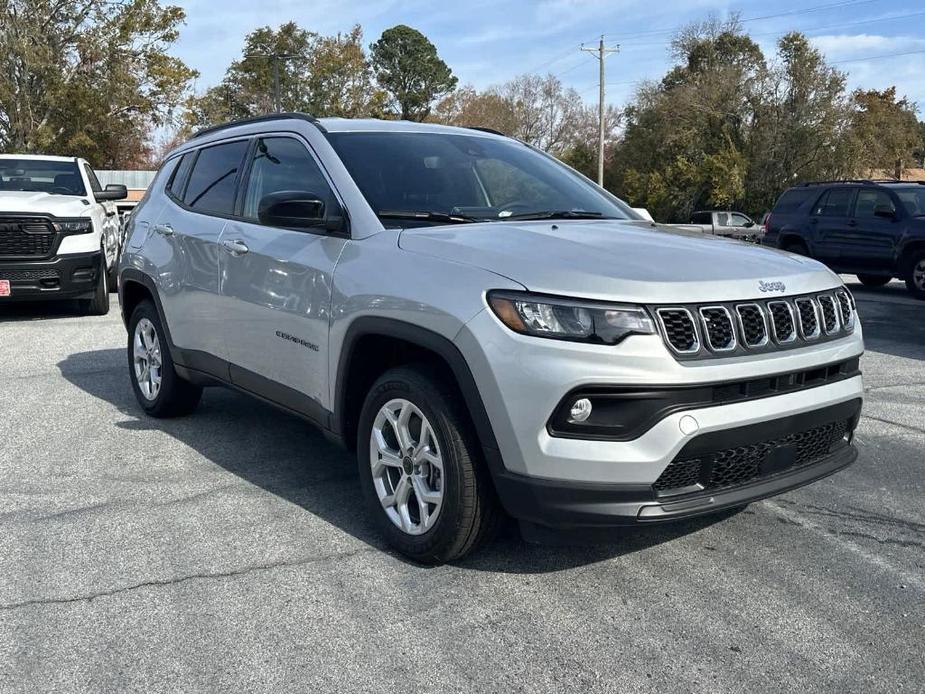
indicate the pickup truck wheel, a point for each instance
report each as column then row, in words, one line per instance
column 114, row 276
column 158, row 388
column 422, row 478
column 915, row 275
column 99, row 304
column 874, row 280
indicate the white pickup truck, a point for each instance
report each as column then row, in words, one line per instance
column 59, row 231
column 722, row 223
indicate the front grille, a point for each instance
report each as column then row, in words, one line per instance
column 25, row 237
column 739, row 465
column 28, row 275
column 782, row 322
column 753, row 325
column 806, row 313
column 846, row 307
column 718, row 328
column 680, row 331
column 829, row 314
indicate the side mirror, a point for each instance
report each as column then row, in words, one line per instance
column 885, row 211
column 296, row 209
column 114, row 191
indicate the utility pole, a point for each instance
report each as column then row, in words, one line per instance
column 601, row 52
column 276, row 58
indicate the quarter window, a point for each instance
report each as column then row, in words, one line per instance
column 180, row 174
column 212, row 183
column 282, row 164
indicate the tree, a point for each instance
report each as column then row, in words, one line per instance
column 88, row 77
column 321, row 75
column 884, row 130
column 407, row 66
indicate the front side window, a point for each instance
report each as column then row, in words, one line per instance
column 739, row 220
column 869, row 200
column 212, row 182
column 473, row 177
column 283, row 165
column 95, row 185
column 41, row 176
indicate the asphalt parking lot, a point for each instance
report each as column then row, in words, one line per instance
column 227, row 552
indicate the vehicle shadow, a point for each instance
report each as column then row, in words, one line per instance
column 289, row 458
column 892, row 319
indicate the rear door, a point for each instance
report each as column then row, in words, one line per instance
column 875, row 232
column 188, row 231
column 833, row 225
column 276, row 281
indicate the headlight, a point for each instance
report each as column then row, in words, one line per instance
column 569, row 319
column 74, row 226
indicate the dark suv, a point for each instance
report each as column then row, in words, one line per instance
column 873, row 229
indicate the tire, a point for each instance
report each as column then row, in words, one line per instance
column 170, row 396
column 798, row 247
column 915, row 274
column 114, row 276
column 874, row 280
column 99, row 304
column 468, row 512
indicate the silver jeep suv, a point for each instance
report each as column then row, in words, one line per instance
column 490, row 332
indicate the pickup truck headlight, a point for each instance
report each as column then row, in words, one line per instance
column 74, row 226
column 570, row 319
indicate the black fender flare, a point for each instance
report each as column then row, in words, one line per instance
column 434, row 342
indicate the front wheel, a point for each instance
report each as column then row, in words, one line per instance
column 158, row 387
column 421, row 471
column 915, row 275
column 874, row 280
column 99, row 304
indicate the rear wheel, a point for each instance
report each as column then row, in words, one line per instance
column 915, row 275
column 158, row 388
column 99, row 304
column 874, row 280
column 420, row 468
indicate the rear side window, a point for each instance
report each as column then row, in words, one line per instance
column 701, row 218
column 834, row 203
column 791, row 201
column 212, row 183
column 180, row 174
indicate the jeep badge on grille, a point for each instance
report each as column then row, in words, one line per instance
column 771, row 286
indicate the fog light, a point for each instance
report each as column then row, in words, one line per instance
column 581, row 410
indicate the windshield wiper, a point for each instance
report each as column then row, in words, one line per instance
column 427, row 216
column 557, row 214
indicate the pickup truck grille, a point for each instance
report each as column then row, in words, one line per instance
column 26, row 237
column 751, row 327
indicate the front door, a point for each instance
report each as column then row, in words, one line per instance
column 276, row 281
column 874, row 233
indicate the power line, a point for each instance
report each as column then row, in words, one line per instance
column 876, row 57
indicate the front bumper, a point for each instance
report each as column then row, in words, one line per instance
column 71, row 276
column 769, row 458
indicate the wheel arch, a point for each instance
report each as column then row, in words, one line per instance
column 134, row 287
column 374, row 344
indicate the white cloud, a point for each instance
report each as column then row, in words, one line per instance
column 837, row 46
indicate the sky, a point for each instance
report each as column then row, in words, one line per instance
column 487, row 42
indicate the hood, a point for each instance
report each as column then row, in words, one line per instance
column 43, row 203
column 622, row 261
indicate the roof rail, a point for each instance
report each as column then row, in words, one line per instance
column 259, row 119
column 842, row 180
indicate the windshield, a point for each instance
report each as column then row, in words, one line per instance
column 462, row 178
column 913, row 199
column 41, row 176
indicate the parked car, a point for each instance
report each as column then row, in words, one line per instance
column 486, row 329
column 872, row 229
column 59, row 232
column 723, row 223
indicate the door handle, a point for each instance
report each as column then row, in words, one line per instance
column 235, row 246
column 164, row 229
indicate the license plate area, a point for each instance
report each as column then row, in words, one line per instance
column 5, row 288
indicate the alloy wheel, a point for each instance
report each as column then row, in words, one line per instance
column 407, row 466
column 146, row 355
